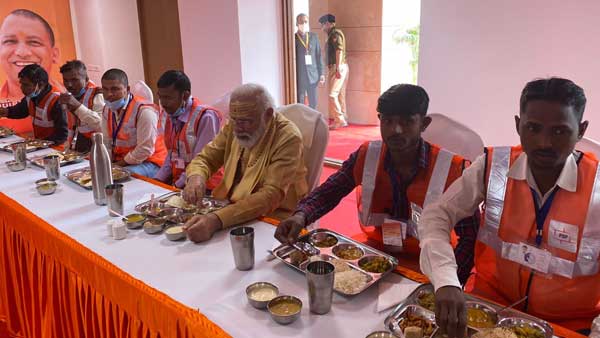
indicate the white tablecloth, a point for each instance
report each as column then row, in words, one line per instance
column 201, row 276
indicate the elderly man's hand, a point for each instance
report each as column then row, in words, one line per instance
column 201, row 228
column 69, row 100
column 289, row 229
column 194, row 190
column 451, row 311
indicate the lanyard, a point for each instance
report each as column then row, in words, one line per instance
column 541, row 214
column 305, row 44
column 175, row 140
column 116, row 128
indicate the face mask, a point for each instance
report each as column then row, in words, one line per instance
column 305, row 27
column 34, row 94
column 116, row 105
column 178, row 112
column 80, row 92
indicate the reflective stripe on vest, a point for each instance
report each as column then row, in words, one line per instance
column 435, row 188
column 129, row 127
column 589, row 247
column 88, row 101
column 41, row 118
column 191, row 132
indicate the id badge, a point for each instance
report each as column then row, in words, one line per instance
column 563, row 236
column 531, row 257
column 308, row 59
column 179, row 163
column 393, row 232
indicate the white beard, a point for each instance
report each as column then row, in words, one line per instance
column 247, row 140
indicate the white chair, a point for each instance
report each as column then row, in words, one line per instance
column 589, row 145
column 141, row 89
column 315, row 134
column 454, row 136
column 222, row 105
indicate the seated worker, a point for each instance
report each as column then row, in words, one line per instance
column 83, row 98
column 262, row 155
column 540, row 233
column 41, row 103
column 394, row 179
column 188, row 127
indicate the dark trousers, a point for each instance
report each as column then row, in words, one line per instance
column 311, row 91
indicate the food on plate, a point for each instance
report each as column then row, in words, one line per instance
column 427, row 300
column 479, row 318
column 498, row 332
column 175, row 230
column 5, row 131
column 413, row 332
column 350, row 253
column 263, row 294
column 285, row 308
column 350, row 282
column 375, row 264
column 297, row 257
column 325, row 242
column 416, row 321
column 133, row 218
column 338, row 264
column 178, row 202
column 527, row 331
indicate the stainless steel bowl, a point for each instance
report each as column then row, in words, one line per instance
column 46, row 186
column 284, row 319
column 340, row 247
column 380, row 334
column 260, row 304
column 154, row 226
column 169, row 213
column 517, row 322
column 490, row 311
column 134, row 224
column 318, row 237
column 175, row 232
column 16, row 166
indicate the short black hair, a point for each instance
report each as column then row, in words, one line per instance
column 555, row 89
column 74, row 65
column 35, row 73
column 403, row 99
column 116, row 74
column 35, row 16
column 327, row 18
column 299, row 16
column 176, row 78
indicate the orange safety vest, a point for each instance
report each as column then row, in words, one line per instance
column 41, row 113
column 186, row 140
column 126, row 138
column 374, row 198
column 568, row 293
column 87, row 99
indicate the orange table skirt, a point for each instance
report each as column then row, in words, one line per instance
column 52, row 286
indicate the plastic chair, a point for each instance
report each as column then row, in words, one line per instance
column 141, row 89
column 222, row 105
column 454, row 136
column 589, row 145
column 315, row 134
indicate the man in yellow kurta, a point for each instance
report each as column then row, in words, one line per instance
column 261, row 152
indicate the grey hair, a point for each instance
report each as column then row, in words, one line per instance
column 254, row 92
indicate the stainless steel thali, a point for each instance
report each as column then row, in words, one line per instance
column 320, row 239
column 32, row 145
column 415, row 304
column 66, row 158
column 162, row 202
column 83, row 176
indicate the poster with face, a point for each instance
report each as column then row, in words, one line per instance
column 38, row 31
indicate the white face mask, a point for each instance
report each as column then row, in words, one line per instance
column 303, row 28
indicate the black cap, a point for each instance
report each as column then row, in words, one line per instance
column 327, row 18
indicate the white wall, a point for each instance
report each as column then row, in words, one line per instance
column 261, row 44
column 476, row 56
column 107, row 35
column 211, row 46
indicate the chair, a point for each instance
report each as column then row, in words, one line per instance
column 589, row 145
column 315, row 134
column 222, row 105
column 141, row 89
column 454, row 136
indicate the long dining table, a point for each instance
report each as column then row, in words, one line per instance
column 62, row 275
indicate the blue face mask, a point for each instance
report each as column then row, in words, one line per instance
column 80, row 94
column 178, row 112
column 116, row 105
column 34, row 94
